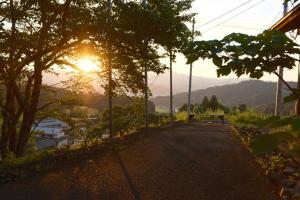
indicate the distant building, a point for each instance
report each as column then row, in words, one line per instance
column 51, row 133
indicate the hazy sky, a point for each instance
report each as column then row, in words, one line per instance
column 253, row 21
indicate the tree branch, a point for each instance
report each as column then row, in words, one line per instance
column 288, row 86
column 64, row 62
column 44, row 106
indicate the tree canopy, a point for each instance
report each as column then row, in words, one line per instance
column 243, row 54
column 38, row 36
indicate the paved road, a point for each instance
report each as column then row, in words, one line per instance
column 203, row 162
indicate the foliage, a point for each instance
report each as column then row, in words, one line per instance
column 213, row 103
column 267, row 143
column 259, row 120
column 207, row 107
column 293, row 1
column 181, row 116
column 250, row 55
column 242, row 108
column 205, row 103
column 281, row 130
column 184, row 107
column 174, row 35
column 36, row 35
column 126, row 118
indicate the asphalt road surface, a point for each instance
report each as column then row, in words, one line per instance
column 202, row 162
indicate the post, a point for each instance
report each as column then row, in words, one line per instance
column 190, row 80
column 278, row 104
column 146, row 82
column 110, row 74
column 171, row 87
column 297, row 106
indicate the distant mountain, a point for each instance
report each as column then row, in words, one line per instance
column 160, row 86
column 253, row 93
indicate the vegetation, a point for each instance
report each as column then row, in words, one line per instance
column 207, row 106
column 283, row 131
column 260, row 96
column 250, row 55
column 43, row 34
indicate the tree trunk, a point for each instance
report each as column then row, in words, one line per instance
column 297, row 108
column 29, row 115
column 8, row 115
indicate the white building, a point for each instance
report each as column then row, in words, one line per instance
column 52, row 133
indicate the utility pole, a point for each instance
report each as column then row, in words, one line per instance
column 190, row 80
column 110, row 72
column 146, row 81
column 297, row 106
column 278, row 105
column 171, row 87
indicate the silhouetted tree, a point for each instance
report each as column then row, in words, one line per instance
column 242, row 108
column 213, row 104
column 183, row 108
column 205, row 103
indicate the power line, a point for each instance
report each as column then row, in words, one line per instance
column 242, row 27
column 234, row 16
column 154, row 80
column 276, row 17
column 214, row 19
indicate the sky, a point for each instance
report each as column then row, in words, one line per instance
column 261, row 15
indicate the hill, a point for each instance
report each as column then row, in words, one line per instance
column 254, row 93
column 159, row 85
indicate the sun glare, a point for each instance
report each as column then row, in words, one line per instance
column 87, row 65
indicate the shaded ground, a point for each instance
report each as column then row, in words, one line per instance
column 189, row 162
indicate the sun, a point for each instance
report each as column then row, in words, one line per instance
column 87, row 65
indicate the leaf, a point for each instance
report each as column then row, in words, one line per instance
column 292, row 97
column 217, row 61
column 296, row 124
column 264, row 144
column 268, row 143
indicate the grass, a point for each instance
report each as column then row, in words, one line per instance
column 282, row 130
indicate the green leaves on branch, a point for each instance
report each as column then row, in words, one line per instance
column 253, row 55
column 292, row 97
column 242, row 54
column 249, row 55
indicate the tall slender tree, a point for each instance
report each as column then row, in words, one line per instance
column 174, row 33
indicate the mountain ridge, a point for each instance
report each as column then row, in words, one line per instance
column 254, row 93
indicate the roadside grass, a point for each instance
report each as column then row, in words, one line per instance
column 283, row 132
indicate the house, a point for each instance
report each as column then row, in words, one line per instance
column 51, row 133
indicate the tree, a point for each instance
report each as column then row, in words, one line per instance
column 251, row 55
column 242, row 108
column 205, row 103
column 174, row 34
column 34, row 36
column 213, row 104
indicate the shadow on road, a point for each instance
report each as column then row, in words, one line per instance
column 131, row 185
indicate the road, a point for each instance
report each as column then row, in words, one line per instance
column 203, row 162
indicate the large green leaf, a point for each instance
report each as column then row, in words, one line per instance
column 267, row 143
column 296, row 124
column 264, row 144
column 217, row 61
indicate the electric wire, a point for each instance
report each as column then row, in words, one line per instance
column 233, row 16
column 216, row 18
